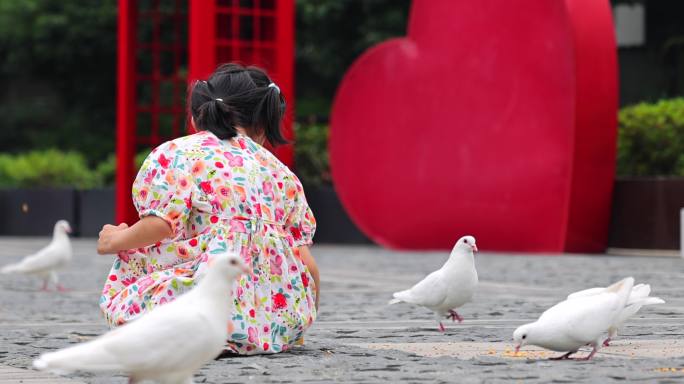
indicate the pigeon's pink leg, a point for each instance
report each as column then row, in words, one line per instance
column 441, row 327
column 45, row 286
column 454, row 316
column 61, row 288
column 564, row 357
column 593, row 352
column 606, row 342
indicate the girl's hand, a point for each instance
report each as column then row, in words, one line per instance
column 107, row 243
column 147, row 231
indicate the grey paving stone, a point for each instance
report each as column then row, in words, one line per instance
column 359, row 339
column 10, row 375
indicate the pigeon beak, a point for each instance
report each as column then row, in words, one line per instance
column 474, row 248
column 517, row 348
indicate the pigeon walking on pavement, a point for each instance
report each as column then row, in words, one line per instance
column 637, row 298
column 572, row 324
column 448, row 288
column 169, row 343
column 48, row 260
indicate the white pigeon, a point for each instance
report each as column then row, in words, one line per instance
column 572, row 324
column 449, row 287
column 169, row 343
column 48, row 260
column 637, row 298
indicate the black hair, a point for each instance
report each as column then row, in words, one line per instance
column 235, row 95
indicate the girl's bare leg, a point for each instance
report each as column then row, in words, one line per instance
column 308, row 260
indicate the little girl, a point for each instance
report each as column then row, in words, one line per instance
column 217, row 191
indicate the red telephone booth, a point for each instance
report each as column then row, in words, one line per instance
column 165, row 44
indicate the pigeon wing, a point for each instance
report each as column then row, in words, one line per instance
column 166, row 343
column 586, row 292
column 163, row 340
column 585, row 319
column 638, row 291
column 43, row 260
column 581, row 319
column 429, row 292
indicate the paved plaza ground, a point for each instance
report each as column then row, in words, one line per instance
column 358, row 338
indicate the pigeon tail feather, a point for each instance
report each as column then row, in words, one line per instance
column 22, row 267
column 647, row 301
column 402, row 296
column 40, row 364
column 393, row 301
column 640, row 291
column 10, row 269
column 88, row 356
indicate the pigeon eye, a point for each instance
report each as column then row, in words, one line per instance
column 465, row 241
column 524, row 337
column 233, row 262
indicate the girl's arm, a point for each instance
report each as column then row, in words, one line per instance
column 310, row 263
column 147, row 231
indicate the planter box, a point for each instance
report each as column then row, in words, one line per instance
column 95, row 209
column 645, row 213
column 333, row 224
column 34, row 212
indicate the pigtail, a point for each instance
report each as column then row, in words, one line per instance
column 217, row 117
column 269, row 114
column 211, row 113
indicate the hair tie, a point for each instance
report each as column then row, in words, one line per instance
column 219, row 99
column 272, row 85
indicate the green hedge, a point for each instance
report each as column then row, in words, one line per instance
column 107, row 169
column 311, row 153
column 651, row 139
column 54, row 168
column 49, row 168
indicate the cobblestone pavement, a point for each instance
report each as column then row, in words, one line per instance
column 358, row 338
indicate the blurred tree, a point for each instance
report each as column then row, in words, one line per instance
column 57, row 67
column 311, row 154
column 331, row 35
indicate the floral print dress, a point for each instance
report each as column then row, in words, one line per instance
column 219, row 196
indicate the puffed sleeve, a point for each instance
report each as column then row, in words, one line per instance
column 300, row 222
column 163, row 187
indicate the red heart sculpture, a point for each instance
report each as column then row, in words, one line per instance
column 491, row 118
